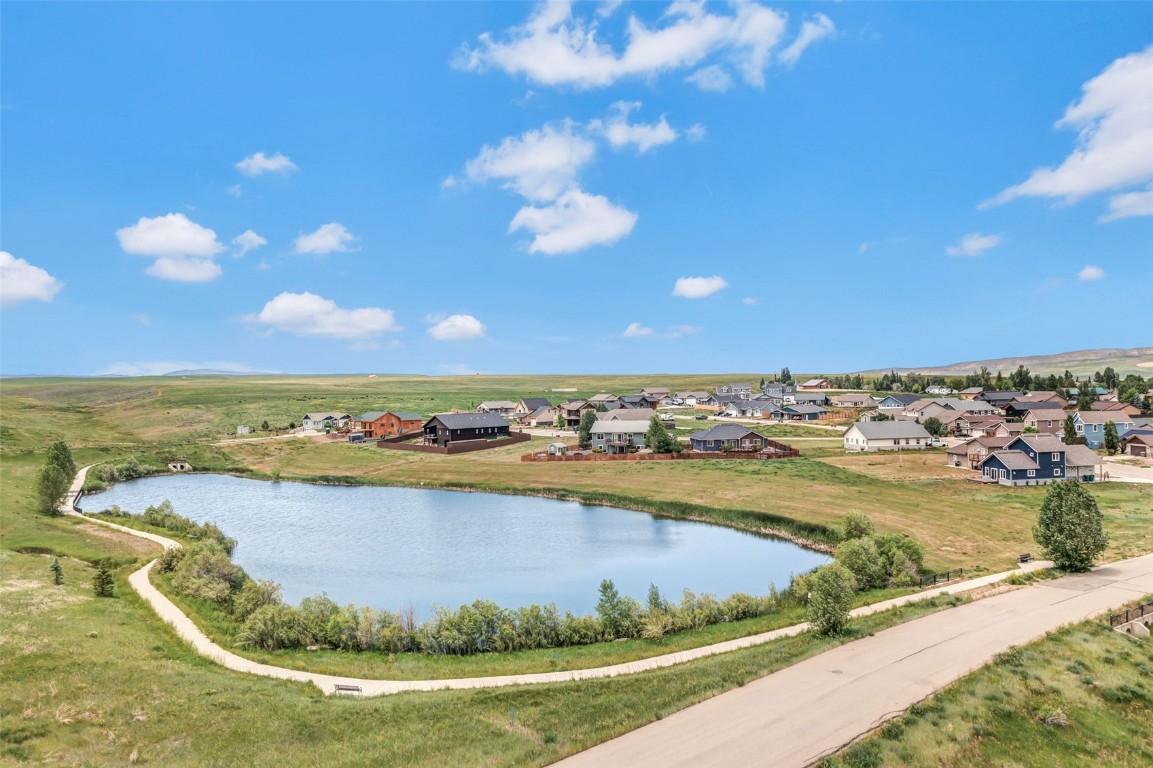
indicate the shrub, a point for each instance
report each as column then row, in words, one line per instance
column 315, row 615
column 272, row 627
column 864, row 561
column 254, row 595
column 832, row 599
column 856, row 525
column 620, row 616
column 205, row 572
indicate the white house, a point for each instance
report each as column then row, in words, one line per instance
column 886, row 436
column 321, row 420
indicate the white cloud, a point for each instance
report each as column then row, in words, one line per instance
column 814, row 29
column 1114, row 121
column 1090, row 273
column 235, row 190
column 636, row 330
column 751, row 301
column 695, row 133
column 21, row 281
column 170, row 235
column 306, row 314
column 329, row 238
column 184, row 269
column 1130, row 204
column 260, row 163
column 457, row 328
column 247, row 241
column 712, row 78
column 572, row 222
column 538, row 164
column 973, row 244
column 556, row 48
column 698, row 287
column 161, row 367
column 620, row 132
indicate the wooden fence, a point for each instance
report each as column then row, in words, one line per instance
column 1132, row 614
column 683, row 456
column 459, row 446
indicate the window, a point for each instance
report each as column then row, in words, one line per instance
column 1032, row 473
column 1056, row 473
column 1055, row 457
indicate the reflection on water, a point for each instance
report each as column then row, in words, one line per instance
column 389, row 547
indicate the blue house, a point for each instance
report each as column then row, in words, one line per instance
column 1091, row 425
column 1026, row 460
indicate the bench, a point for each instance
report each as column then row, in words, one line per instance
column 340, row 688
column 1025, row 558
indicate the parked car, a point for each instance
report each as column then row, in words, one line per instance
column 700, row 417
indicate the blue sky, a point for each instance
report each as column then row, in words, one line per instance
column 596, row 188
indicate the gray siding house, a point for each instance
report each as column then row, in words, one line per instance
column 886, row 436
column 618, row 435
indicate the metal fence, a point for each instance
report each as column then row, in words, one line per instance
column 1132, row 614
column 941, row 578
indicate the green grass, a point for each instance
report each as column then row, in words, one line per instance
column 1093, row 685
column 134, row 687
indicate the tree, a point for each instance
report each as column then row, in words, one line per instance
column 882, row 417
column 934, row 426
column 658, row 438
column 619, row 615
column 585, row 432
column 57, row 571
column 61, row 455
column 103, row 584
column 560, row 421
column 51, row 489
column 264, row 426
column 1069, row 526
column 1112, row 442
column 856, row 525
column 864, row 561
column 786, row 376
column 832, row 599
column 1085, row 398
column 1070, row 430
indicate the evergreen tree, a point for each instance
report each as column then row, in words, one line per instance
column 1070, row 430
column 1112, row 442
column 51, row 489
column 103, row 584
column 659, row 439
column 1085, row 397
column 1069, row 526
column 57, row 571
column 560, row 420
column 585, row 431
column 786, row 376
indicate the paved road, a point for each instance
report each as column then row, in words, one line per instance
column 797, row 715
column 1126, row 471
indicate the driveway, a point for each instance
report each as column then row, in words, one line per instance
column 1126, row 470
column 796, row 716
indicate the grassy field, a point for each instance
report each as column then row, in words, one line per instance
column 134, row 688
column 1081, row 696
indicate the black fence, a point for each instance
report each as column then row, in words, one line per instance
column 941, row 578
column 1132, row 614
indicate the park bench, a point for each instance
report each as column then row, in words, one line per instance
column 1025, row 558
column 341, row 688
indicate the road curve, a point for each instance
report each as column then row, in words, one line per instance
column 799, row 714
column 187, row 630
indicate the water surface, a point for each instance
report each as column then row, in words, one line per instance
column 391, row 547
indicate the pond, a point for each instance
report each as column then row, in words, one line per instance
column 392, row 547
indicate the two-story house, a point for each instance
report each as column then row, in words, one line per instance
column 619, row 435
column 1026, row 460
column 1091, row 425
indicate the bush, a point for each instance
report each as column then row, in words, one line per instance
column 832, row 599
column 254, row 595
column 619, row 616
column 856, row 525
column 1069, row 526
column 272, row 627
column 206, row 573
column 864, row 561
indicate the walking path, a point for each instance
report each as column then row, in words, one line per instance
column 188, row 631
column 799, row 714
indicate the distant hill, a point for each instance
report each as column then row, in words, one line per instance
column 1086, row 361
column 210, row 372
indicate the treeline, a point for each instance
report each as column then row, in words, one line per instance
column 104, row 475
column 204, row 571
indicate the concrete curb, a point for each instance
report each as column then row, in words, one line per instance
column 189, row 632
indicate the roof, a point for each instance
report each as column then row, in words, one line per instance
column 370, row 416
column 469, row 420
column 815, row 382
column 643, row 415
column 1042, row 442
column 804, row 408
column 407, row 415
column 1035, row 405
column 1081, row 456
column 1040, row 396
column 881, row 430
column 1105, row 405
column 532, row 403
column 603, row 397
column 902, row 399
column 724, row 432
column 328, row 415
column 619, row 427
column 544, row 410
column 1001, row 397
column 972, row 391
column 494, row 404
column 1013, row 460
column 1100, row 417
column 1043, row 413
column 1144, row 437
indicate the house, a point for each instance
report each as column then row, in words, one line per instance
column 940, row 391
column 778, row 389
column 325, row 420
column 806, row 398
column 730, row 437
column 690, row 398
column 572, row 410
column 1000, row 399
column 801, row 412
column 853, row 400
column 741, row 390
column 1138, row 442
column 529, row 404
column 626, row 414
column 1049, row 420
column 816, row 384
column 366, row 424
column 557, row 449
column 655, row 392
column 1044, row 396
column 972, row 393
column 1027, row 460
column 603, row 397
column 973, row 452
column 396, row 423
column 890, row 403
column 1016, row 409
column 1091, row 425
column 619, row 436
column 751, row 409
column 1083, row 464
column 639, row 401
column 1127, row 408
column 541, row 417
column 447, row 428
column 886, row 436
column 496, row 406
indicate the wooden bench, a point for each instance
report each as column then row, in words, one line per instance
column 1025, row 558
column 340, row 689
